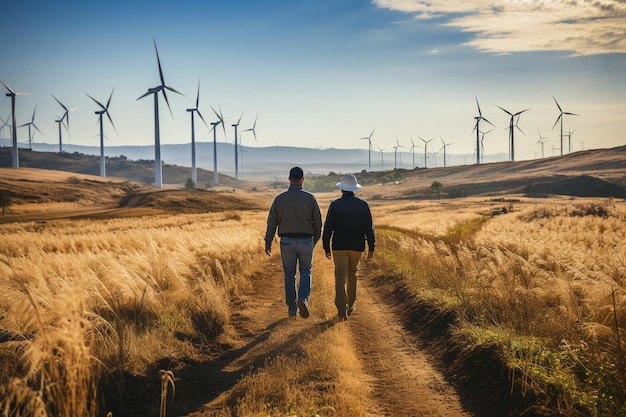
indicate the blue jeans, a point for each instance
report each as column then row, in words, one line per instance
column 296, row 252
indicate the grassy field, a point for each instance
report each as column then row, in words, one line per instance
column 101, row 299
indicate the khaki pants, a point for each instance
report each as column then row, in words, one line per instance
column 346, row 263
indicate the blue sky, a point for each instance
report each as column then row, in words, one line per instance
column 323, row 73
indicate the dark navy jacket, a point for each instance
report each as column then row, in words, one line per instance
column 349, row 223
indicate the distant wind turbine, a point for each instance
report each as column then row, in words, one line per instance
column 252, row 129
column 425, row 150
column 236, row 125
column 541, row 142
column 482, row 145
column 512, row 126
column 477, row 129
column 369, row 149
column 445, row 145
column 158, row 175
column 29, row 124
column 194, row 173
column 66, row 117
column 395, row 154
column 15, row 158
column 103, row 110
column 214, row 125
column 412, row 150
column 569, row 139
column 560, row 117
column 381, row 155
column 5, row 123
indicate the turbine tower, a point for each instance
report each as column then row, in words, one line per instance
column 236, row 125
column 29, row 124
column 512, row 126
column 477, row 129
column 66, row 117
column 369, row 149
column 158, row 175
column 425, row 150
column 15, row 158
column 194, row 174
column 560, row 117
column 103, row 110
column 213, row 128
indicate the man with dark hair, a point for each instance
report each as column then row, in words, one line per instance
column 349, row 224
column 296, row 215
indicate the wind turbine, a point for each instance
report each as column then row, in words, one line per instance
column 395, row 152
column 253, row 127
column 29, row 124
column 560, row 117
column 445, row 145
column 66, row 117
column 213, row 128
column 477, row 129
column 194, row 173
column 412, row 150
column 158, row 175
column 482, row 145
column 425, row 150
column 369, row 149
column 569, row 139
column 5, row 123
column 512, row 126
column 103, row 110
column 381, row 155
column 541, row 142
column 236, row 147
column 15, row 158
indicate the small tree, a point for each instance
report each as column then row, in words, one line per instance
column 436, row 186
column 5, row 201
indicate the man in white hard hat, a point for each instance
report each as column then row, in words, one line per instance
column 349, row 224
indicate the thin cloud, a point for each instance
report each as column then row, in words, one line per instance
column 584, row 27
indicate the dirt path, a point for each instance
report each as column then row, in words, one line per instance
column 400, row 378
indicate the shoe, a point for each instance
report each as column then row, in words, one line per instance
column 304, row 309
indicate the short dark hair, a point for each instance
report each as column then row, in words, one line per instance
column 296, row 173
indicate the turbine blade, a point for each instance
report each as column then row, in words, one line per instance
column 110, row 120
column 167, row 102
column 198, row 97
column 35, row 126
column 7, row 87
column 97, row 102
column 557, row 120
column 478, row 105
column 61, row 104
column 148, row 93
column 506, row 111
column 159, row 63
column 109, row 100
column 200, row 114
column 571, row 114
column 557, row 104
column 239, row 120
column 488, row 121
column 174, row 90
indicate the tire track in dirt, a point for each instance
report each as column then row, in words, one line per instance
column 402, row 379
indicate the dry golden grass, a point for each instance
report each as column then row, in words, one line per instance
column 121, row 293
column 551, row 273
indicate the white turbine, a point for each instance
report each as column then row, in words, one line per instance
column 236, row 125
column 103, row 110
column 477, row 129
column 425, row 150
column 369, row 149
column 66, row 117
column 560, row 117
column 512, row 126
column 214, row 125
column 158, row 175
column 194, row 174
column 252, row 129
column 29, row 124
column 445, row 145
column 15, row 158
